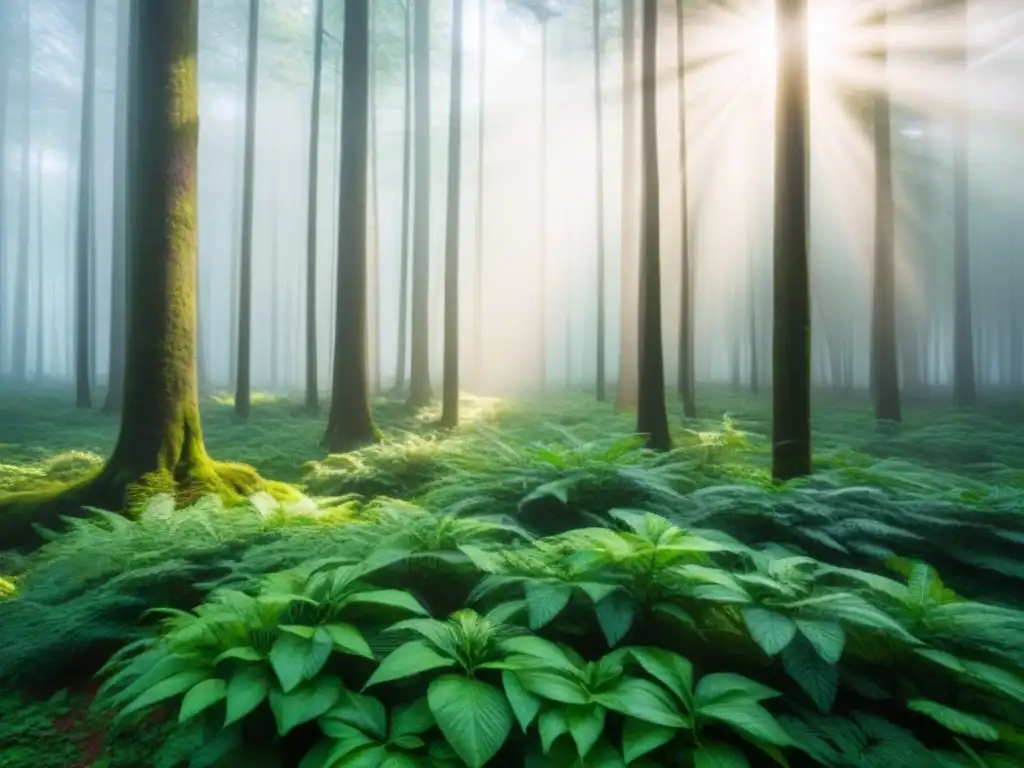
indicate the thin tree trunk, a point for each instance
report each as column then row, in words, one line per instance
column 599, row 200
column 403, row 289
column 83, row 314
column 373, row 285
column 542, row 339
column 685, row 383
column 312, row 217
column 243, row 386
column 791, row 355
column 40, row 272
column 450, row 385
column 964, row 387
column 626, row 394
column 651, row 415
column 275, row 286
column 419, row 385
column 350, row 423
column 478, row 273
column 19, row 351
column 5, row 72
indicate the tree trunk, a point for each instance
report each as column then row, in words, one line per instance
column 40, row 272
column 403, row 289
column 275, row 286
column 450, row 387
column 350, row 424
column 312, row 211
column 685, row 383
column 599, row 200
column 419, row 383
column 626, row 394
column 542, row 322
column 5, row 73
column 373, row 283
column 964, row 388
column 651, row 416
column 19, row 351
column 244, row 363
column 118, row 280
column 478, row 274
column 238, row 173
column 83, row 313
column 791, row 354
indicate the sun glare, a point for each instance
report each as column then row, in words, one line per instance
column 826, row 41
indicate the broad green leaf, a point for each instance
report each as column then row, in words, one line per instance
column 615, row 616
column 670, row 669
column 545, row 650
column 213, row 751
column 640, row 738
column 1006, row 683
column 241, row 653
column 552, row 686
column 295, row 658
column 411, row 719
column 367, row 757
column 359, row 711
column 164, row 668
column 748, row 718
column 392, row 598
column 772, row 631
column 473, row 716
column 943, row 659
column 818, row 679
column 346, row 740
column 305, row 703
column 827, row 637
column 247, row 689
column 854, row 609
column 972, row 726
column 201, row 697
column 719, row 756
column 551, row 724
column 525, row 705
column 643, row 700
column 347, row 639
column 720, row 686
column 165, row 689
column 408, row 741
column 674, row 612
column 586, row 723
column 299, row 630
column 407, row 660
column 545, row 600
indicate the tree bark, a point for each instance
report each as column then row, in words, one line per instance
column 19, row 351
column 626, row 393
column 685, row 375
column 350, row 424
column 403, row 289
column 964, row 386
column 542, row 322
column 83, row 311
column 419, row 383
column 791, row 354
column 312, row 214
column 651, row 415
column 450, row 386
column 5, row 73
column 243, row 382
column 40, row 322
column 478, row 274
column 599, row 201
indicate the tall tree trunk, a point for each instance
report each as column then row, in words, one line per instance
column 312, row 214
column 119, row 226
column 373, row 284
column 599, row 200
column 419, row 383
column 626, row 394
column 685, row 383
column 70, row 245
column 5, row 73
column 450, row 386
column 19, row 351
column 335, row 196
column 243, row 385
column 478, row 232
column 238, row 173
column 83, row 313
column 403, row 280
column 275, row 286
column 542, row 324
column 651, row 415
column 350, row 423
column 964, row 388
column 791, row 354
column 40, row 334
column 755, row 367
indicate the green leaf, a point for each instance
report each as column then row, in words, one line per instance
column 299, row 630
column 411, row 719
column 640, row 738
column 201, row 697
column 346, row 741
column 818, row 679
column 241, row 653
column 670, row 669
column 367, row 757
column 247, row 689
column 551, row 724
column 748, row 718
column 772, row 631
column 965, row 724
column 552, row 686
column 854, row 609
column 347, row 639
column 408, row 741
column 586, row 724
column 165, row 689
column 615, row 616
column 296, row 658
column 642, row 700
column 545, row 600
column 525, row 705
column 720, row 686
column 827, row 637
column 407, row 660
column 719, row 756
column 392, row 598
column 473, row 716
column 539, row 648
column 359, row 711
column 305, row 703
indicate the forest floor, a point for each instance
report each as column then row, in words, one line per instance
column 549, row 465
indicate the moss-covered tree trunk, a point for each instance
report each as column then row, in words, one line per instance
column 419, row 370
column 450, row 389
column 791, row 353
column 350, row 424
column 83, row 310
column 312, row 213
column 244, row 362
column 626, row 393
column 651, row 415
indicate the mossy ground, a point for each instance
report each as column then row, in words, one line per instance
column 974, row 456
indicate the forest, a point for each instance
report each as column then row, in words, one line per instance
column 544, row 383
